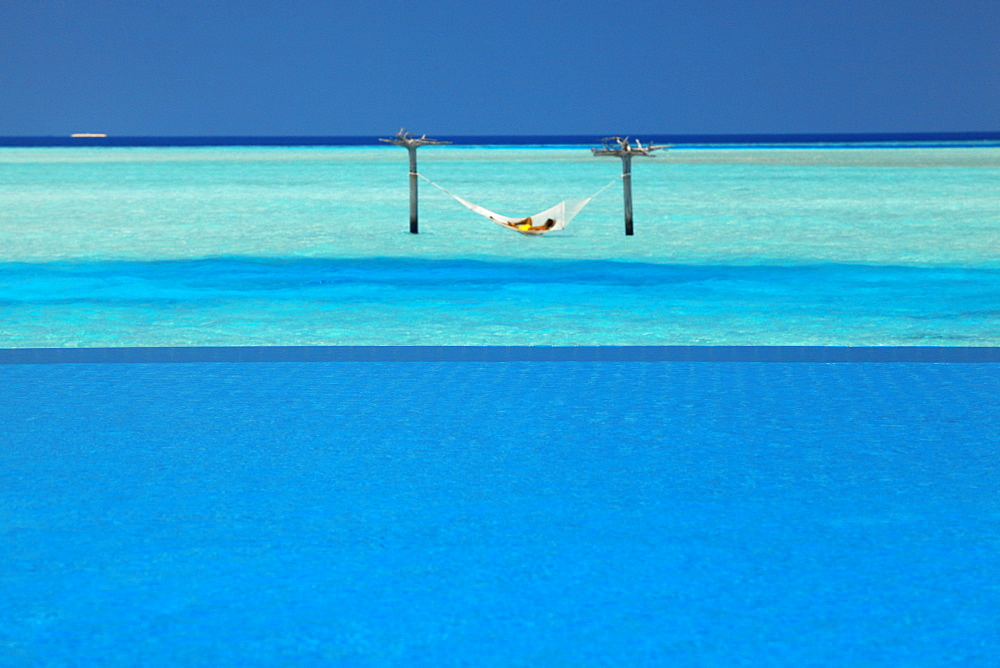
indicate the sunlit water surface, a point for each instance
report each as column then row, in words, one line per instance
column 272, row 245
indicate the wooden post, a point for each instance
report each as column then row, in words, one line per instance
column 413, row 188
column 627, row 188
column 623, row 148
column 411, row 143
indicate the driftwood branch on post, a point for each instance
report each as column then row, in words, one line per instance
column 404, row 138
column 623, row 145
column 622, row 148
column 411, row 144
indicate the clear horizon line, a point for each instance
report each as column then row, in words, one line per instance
column 533, row 135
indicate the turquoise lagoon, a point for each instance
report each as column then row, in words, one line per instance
column 310, row 246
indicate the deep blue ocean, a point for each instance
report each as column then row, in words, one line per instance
column 729, row 140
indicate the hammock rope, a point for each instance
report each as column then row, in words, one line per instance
column 553, row 218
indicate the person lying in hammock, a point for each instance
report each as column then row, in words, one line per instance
column 526, row 226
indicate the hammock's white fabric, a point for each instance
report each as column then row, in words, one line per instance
column 553, row 218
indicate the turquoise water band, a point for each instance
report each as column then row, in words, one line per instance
column 806, row 354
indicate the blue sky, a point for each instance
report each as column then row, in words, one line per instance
column 304, row 67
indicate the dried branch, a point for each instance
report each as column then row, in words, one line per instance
column 404, row 138
column 622, row 146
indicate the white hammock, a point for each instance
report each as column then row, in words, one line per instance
column 553, row 218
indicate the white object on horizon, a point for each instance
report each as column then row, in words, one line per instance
column 88, row 134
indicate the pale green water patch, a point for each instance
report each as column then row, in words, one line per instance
column 908, row 206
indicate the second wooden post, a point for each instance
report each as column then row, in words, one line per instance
column 411, row 143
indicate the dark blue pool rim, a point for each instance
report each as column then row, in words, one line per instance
column 813, row 354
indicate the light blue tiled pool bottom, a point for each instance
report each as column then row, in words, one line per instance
column 499, row 513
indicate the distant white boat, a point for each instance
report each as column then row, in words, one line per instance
column 88, row 134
